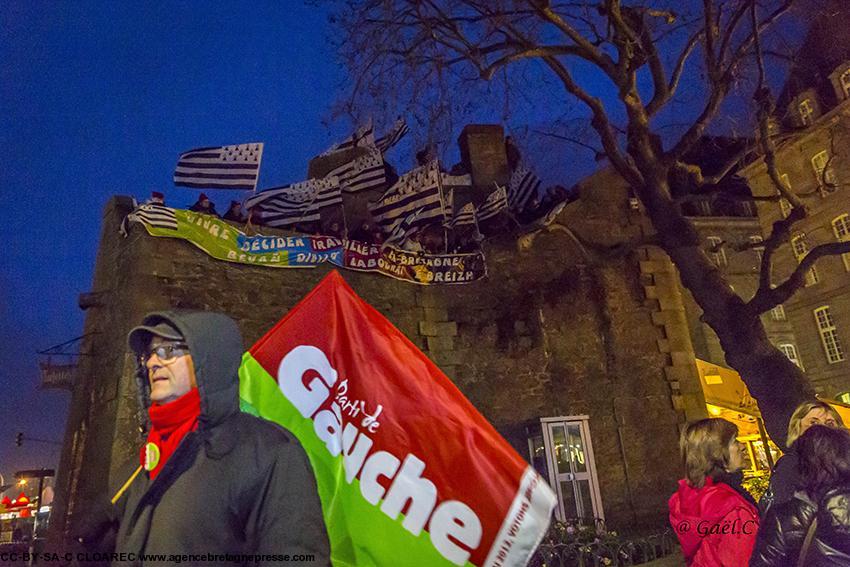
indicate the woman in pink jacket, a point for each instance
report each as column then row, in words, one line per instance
column 715, row 519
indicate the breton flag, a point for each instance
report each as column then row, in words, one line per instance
column 496, row 202
column 523, row 185
column 404, row 230
column 224, row 167
column 359, row 174
column 156, row 215
column 392, row 138
column 298, row 202
column 364, row 136
column 464, row 217
column 416, row 189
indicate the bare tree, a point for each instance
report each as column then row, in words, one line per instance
column 429, row 50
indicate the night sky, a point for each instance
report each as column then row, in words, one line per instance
column 99, row 98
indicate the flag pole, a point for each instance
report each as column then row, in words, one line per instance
column 248, row 225
column 259, row 164
column 443, row 205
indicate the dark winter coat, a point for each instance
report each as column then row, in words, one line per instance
column 784, row 481
column 783, row 531
column 238, row 485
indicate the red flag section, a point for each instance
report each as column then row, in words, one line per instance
column 419, row 449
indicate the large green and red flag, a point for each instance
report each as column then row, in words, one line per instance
column 408, row 471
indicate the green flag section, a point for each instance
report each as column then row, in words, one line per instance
column 225, row 242
column 408, row 471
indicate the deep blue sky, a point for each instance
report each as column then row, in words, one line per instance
column 99, row 98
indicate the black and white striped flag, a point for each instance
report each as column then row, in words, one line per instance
column 155, row 215
column 416, row 189
column 496, row 202
column 464, row 217
column 405, row 229
column 152, row 214
column 298, row 202
column 359, row 174
column 364, row 136
column 523, row 185
column 224, row 167
column 390, row 139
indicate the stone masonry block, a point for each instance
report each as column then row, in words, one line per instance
column 445, row 358
column 679, row 340
column 440, row 343
column 669, row 303
column 654, row 253
column 427, row 298
column 682, row 358
column 678, row 373
column 433, row 329
column 656, row 266
column 436, row 314
column 663, row 345
column 668, row 281
column 651, row 291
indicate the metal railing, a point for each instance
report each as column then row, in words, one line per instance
column 605, row 549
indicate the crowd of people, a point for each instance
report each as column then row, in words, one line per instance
column 803, row 517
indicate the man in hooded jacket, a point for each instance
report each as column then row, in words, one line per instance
column 211, row 480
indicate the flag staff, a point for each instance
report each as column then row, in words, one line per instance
column 248, row 225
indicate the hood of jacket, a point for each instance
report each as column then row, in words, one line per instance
column 708, row 505
column 215, row 345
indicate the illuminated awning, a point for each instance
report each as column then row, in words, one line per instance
column 723, row 387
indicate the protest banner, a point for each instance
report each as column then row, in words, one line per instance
column 223, row 241
column 408, row 471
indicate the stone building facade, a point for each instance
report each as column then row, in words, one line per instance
column 548, row 343
column 814, row 122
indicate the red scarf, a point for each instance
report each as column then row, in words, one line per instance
column 170, row 423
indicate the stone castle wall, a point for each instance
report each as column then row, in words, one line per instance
column 548, row 333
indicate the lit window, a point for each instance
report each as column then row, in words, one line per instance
column 845, row 83
column 821, row 163
column 756, row 244
column 828, row 335
column 778, row 313
column 841, row 227
column 843, row 398
column 716, row 252
column 790, row 351
column 784, row 205
column 807, row 111
column 801, row 248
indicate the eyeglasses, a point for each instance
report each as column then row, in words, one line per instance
column 165, row 352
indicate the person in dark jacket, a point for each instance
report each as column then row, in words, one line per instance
column 212, row 480
column 784, row 478
column 204, row 205
column 824, row 496
column 715, row 519
column 235, row 213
